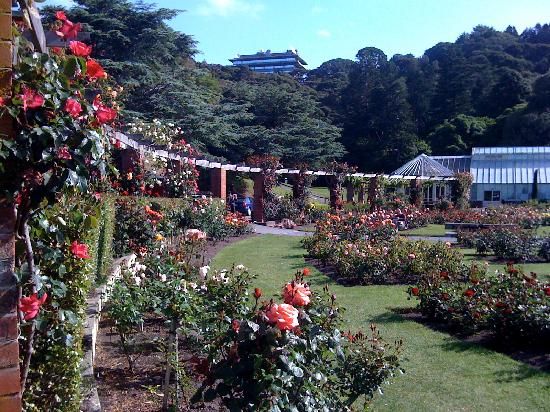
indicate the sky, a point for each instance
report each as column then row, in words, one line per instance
column 326, row 29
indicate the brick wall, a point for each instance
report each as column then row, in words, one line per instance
column 10, row 398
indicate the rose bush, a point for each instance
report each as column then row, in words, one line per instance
column 269, row 356
column 512, row 305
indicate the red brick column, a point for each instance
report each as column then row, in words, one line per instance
column 10, row 396
column 218, row 183
column 258, row 208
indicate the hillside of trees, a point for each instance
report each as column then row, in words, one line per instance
column 489, row 87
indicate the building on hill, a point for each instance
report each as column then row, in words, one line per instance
column 500, row 174
column 269, row 62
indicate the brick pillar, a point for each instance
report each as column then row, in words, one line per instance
column 218, row 183
column 350, row 192
column 10, row 389
column 361, row 193
column 258, row 209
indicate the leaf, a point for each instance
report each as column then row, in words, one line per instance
column 70, row 67
column 210, row 395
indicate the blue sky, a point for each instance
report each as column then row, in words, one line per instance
column 325, row 29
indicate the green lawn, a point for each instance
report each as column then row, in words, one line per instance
column 442, row 373
column 430, row 230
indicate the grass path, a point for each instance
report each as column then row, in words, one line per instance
column 442, row 373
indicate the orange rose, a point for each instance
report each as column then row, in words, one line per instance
column 296, row 294
column 284, row 316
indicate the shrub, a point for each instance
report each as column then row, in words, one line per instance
column 397, row 261
column 519, row 245
column 512, row 305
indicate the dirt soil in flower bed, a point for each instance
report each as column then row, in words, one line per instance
column 535, row 355
column 141, row 391
column 121, row 390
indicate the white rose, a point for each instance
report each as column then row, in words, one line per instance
column 203, row 272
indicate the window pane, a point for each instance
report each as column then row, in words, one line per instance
column 487, row 195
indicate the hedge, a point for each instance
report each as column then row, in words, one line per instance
column 55, row 376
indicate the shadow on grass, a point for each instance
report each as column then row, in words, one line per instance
column 534, row 360
column 392, row 316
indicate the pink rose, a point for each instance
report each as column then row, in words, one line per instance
column 80, row 250
column 296, row 294
column 63, row 153
column 31, row 99
column 30, row 305
column 194, row 234
column 73, row 107
column 412, row 256
column 284, row 316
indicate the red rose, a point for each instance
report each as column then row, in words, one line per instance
column 73, row 107
column 94, row 70
column 30, row 305
column 80, row 49
column 103, row 113
column 306, row 272
column 60, row 15
column 236, row 325
column 80, row 250
column 68, row 30
column 469, row 293
column 63, row 153
column 31, row 99
column 257, row 293
column 547, row 291
column 415, row 291
column 3, row 101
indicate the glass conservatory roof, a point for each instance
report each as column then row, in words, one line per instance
column 423, row 165
column 511, row 165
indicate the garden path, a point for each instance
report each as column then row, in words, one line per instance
column 266, row 230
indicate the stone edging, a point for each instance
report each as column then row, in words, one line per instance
column 95, row 303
